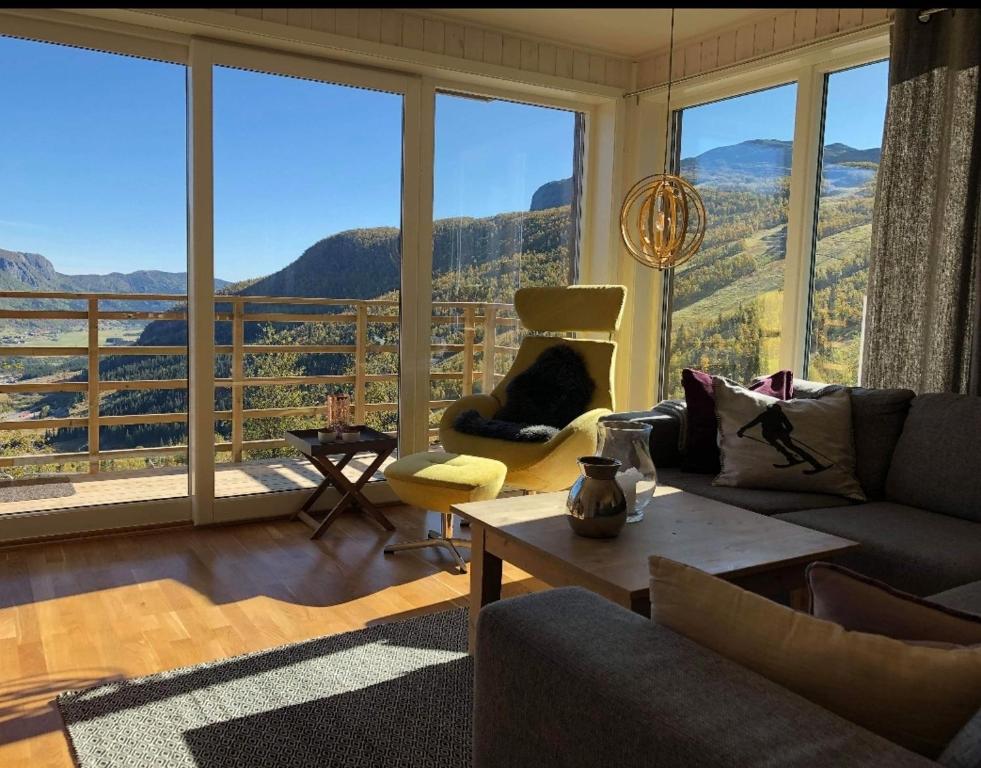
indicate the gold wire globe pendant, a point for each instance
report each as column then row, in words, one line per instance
column 662, row 221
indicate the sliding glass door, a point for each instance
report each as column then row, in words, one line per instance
column 307, row 265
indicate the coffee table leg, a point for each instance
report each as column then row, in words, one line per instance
column 485, row 578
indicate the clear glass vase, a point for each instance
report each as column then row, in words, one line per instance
column 629, row 443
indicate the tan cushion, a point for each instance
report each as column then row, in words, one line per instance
column 861, row 604
column 916, row 696
column 787, row 445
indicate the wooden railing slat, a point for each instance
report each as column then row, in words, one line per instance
column 93, row 382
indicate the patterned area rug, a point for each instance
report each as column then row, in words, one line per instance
column 393, row 695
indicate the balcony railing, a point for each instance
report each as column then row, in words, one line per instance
column 470, row 318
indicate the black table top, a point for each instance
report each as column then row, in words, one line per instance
column 307, row 442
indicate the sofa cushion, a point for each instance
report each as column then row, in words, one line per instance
column 797, row 445
column 914, row 695
column 936, row 464
column 753, row 499
column 861, row 604
column 878, row 416
column 908, row 548
column 701, row 452
column 966, row 597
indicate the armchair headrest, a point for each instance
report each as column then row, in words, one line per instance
column 574, row 308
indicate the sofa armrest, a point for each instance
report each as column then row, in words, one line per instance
column 567, row 678
column 665, row 433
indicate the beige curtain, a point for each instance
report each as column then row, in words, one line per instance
column 922, row 313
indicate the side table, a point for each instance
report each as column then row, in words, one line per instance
column 322, row 456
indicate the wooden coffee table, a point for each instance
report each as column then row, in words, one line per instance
column 757, row 552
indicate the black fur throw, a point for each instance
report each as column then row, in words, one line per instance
column 541, row 400
column 472, row 423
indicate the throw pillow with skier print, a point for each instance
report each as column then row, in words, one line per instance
column 789, row 445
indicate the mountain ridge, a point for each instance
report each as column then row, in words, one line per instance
column 26, row 271
column 763, row 160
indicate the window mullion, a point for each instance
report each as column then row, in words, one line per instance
column 800, row 218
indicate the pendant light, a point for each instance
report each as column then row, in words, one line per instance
column 662, row 219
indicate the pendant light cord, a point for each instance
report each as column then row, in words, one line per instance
column 667, row 120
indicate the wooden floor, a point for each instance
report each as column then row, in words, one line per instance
column 263, row 476
column 75, row 613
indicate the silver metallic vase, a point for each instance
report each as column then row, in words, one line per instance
column 596, row 504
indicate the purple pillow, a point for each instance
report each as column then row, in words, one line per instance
column 702, row 449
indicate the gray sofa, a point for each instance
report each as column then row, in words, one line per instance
column 919, row 463
column 568, row 679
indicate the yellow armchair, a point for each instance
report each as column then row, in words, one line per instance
column 551, row 465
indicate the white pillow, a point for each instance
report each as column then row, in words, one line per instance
column 787, row 445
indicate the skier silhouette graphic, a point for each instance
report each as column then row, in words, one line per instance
column 776, row 428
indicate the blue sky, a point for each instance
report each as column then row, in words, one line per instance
column 93, row 156
column 93, row 161
column 856, row 107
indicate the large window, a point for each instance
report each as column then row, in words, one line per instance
column 93, row 250
column 778, row 282
column 853, row 118
column 726, row 302
column 506, row 191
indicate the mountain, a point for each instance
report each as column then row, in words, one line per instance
column 759, row 163
column 842, row 153
column 366, row 264
column 33, row 272
column 552, row 195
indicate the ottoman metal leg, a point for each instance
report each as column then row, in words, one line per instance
column 444, row 540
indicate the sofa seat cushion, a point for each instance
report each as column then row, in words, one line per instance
column 936, row 464
column 966, row 597
column 756, row 500
column 908, row 548
column 878, row 416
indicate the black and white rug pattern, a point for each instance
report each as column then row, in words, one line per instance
column 392, row 695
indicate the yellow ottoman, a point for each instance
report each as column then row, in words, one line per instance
column 438, row 480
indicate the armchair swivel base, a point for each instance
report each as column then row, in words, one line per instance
column 437, row 481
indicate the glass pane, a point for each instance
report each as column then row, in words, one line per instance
column 853, row 120
column 727, row 301
column 308, row 193
column 506, row 191
column 92, row 219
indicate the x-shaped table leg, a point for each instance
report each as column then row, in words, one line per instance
column 326, row 483
column 334, row 475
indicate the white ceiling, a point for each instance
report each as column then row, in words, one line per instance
column 630, row 32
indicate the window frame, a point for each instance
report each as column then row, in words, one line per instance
column 818, row 177
column 809, row 68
